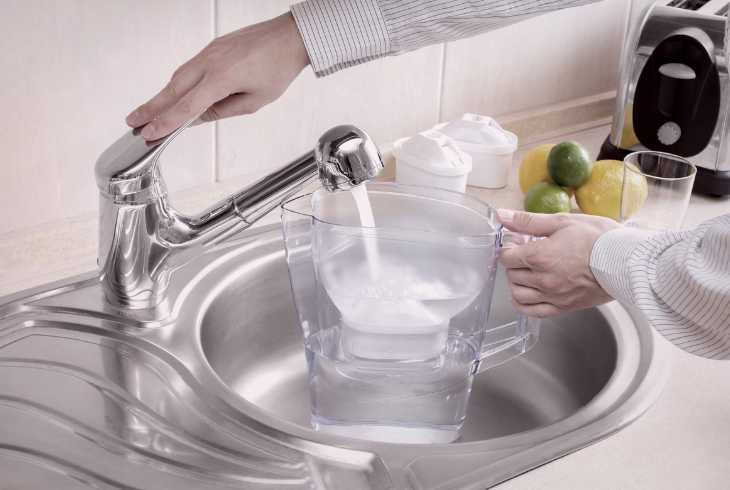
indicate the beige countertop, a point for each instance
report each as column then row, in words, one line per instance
column 683, row 441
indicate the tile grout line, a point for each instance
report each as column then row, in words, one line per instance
column 214, row 156
column 215, row 152
column 442, row 74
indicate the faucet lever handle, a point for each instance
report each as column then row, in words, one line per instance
column 128, row 165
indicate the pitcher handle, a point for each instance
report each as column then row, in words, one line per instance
column 514, row 338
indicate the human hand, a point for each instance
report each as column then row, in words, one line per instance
column 553, row 275
column 235, row 74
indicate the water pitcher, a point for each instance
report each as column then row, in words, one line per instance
column 393, row 287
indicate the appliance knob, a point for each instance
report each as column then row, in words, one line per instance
column 669, row 133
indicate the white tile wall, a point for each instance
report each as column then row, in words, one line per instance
column 69, row 73
column 71, row 70
column 388, row 98
column 547, row 59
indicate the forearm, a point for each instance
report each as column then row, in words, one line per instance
column 679, row 281
column 342, row 33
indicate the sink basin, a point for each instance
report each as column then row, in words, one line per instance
column 217, row 397
column 255, row 347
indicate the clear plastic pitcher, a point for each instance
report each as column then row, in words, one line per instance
column 395, row 315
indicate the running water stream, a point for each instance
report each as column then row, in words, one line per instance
column 367, row 220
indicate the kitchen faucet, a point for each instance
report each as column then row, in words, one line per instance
column 142, row 239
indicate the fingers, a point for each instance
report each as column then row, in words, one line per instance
column 540, row 310
column 520, row 257
column 189, row 106
column 526, row 296
column 532, row 302
column 532, row 223
column 523, row 277
column 233, row 105
column 184, row 79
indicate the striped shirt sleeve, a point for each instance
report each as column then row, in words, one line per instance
column 679, row 280
column 341, row 33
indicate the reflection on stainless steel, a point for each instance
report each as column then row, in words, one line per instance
column 142, row 239
column 346, row 158
column 216, row 396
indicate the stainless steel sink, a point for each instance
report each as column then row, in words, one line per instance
column 255, row 348
column 216, row 396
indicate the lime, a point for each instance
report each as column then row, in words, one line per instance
column 601, row 195
column 545, row 197
column 569, row 164
column 533, row 168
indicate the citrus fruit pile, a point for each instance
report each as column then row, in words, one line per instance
column 551, row 174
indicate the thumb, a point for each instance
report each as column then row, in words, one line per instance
column 531, row 223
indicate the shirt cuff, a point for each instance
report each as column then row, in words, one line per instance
column 340, row 34
column 610, row 261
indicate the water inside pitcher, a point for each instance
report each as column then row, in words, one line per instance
column 395, row 311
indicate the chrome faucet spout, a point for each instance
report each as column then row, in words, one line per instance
column 142, row 239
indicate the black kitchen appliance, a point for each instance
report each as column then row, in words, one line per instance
column 674, row 89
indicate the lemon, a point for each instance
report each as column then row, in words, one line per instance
column 533, row 168
column 569, row 164
column 601, row 195
column 545, row 197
